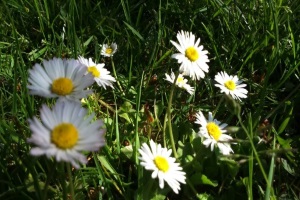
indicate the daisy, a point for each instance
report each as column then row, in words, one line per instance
column 192, row 57
column 213, row 133
column 64, row 132
column 101, row 75
column 180, row 82
column 231, row 85
column 59, row 78
column 109, row 50
column 158, row 160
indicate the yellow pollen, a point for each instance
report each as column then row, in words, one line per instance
column 192, row 54
column 94, row 71
column 213, row 130
column 109, row 50
column 230, row 85
column 62, row 86
column 64, row 135
column 161, row 163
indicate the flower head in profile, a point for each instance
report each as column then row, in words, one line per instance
column 101, row 75
column 192, row 57
column 231, row 85
column 180, row 82
column 64, row 132
column 65, row 79
column 109, row 50
column 158, row 159
column 213, row 133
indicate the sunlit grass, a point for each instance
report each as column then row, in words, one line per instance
column 256, row 40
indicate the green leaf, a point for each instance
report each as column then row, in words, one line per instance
column 285, row 122
column 88, row 41
column 200, row 178
column 127, row 151
column 231, row 166
column 135, row 32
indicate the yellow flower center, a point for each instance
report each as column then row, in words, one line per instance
column 192, row 54
column 62, row 86
column 180, row 79
column 94, row 71
column 109, row 50
column 161, row 163
column 230, row 85
column 64, row 135
column 213, row 130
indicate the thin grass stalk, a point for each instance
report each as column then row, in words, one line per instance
column 269, row 189
column 250, row 163
column 117, row 126
column 117, row 79
column 137, row 142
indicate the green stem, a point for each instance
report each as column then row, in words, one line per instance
column 115, row 74
column 254, row 150
column 269, row 189
column 49, row 178
column 169, row 116
column 62, row 179
column 164, row 130
column 106, row 105
column 221, row 101
column 71, row 185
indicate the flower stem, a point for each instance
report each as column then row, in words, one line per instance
column 115, row 74
column 169, row 116
column 254, row 149
column 71, row 185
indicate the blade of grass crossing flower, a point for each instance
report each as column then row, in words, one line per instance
column 170, row 118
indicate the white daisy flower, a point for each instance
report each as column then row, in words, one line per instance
column 60, row 78
column 158, row 160
column 180, row 82
column 64, row 131
column 192, row 57
column 101, row 75
column 231, row 85
column 109, row 50
column 213, row 133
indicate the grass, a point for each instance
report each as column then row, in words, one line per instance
column 257, row 40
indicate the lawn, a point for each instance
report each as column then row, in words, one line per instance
column 149, row 99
